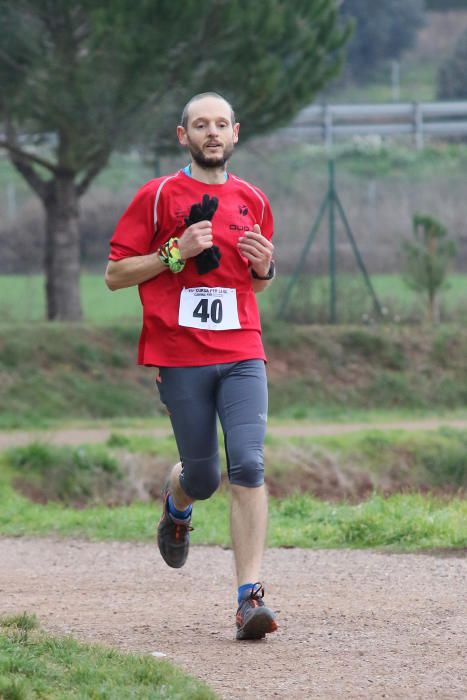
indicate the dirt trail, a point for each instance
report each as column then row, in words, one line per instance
column 353, row 624
column 77, row 436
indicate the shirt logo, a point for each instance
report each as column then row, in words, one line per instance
column 243, row 209
column 180, row 215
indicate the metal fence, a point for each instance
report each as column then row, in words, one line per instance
column 328, row 123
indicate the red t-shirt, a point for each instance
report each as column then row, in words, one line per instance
column 157, row 213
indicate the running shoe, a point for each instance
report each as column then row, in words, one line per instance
column 173, row 536
column 254, row 619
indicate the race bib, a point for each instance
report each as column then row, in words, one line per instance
column 209, row 308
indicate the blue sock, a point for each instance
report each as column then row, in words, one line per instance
column 244, row 591
column 179, row 514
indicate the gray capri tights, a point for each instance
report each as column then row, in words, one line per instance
column 194, row 396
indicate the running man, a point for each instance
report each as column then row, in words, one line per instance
column 198, row 244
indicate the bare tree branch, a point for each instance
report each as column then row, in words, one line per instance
column 93, row 170
column 39, row 185
column 21, row 161
column 10, row 62
column 17, row 152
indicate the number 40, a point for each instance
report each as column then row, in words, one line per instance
column 203, row 312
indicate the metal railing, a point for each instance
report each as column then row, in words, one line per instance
column 328, row 123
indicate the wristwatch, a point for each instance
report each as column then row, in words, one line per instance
column 269, row 276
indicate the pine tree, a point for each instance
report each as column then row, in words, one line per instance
column 427, row 259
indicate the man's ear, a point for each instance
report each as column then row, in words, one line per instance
column 181, row 135
column 236, row 129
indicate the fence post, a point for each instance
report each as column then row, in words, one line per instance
column 327, row 126
column 418, row 125
column 396, row 81
column 12, row 205
column 332, row 245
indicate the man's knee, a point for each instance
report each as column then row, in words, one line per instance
column 244, row 446
column 248, row 471
column 201, row 478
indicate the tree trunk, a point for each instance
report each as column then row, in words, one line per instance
column 62, row 250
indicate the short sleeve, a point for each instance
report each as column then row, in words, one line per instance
column 134, row 233
column 267, row 226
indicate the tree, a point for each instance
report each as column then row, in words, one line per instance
column 83, row 78
column 445, row 5
column 382, row 31
column 427, row 259
column 452, row 76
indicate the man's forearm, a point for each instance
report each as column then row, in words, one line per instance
column 132, row 271
column 260, row 285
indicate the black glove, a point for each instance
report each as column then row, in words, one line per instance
column 204, row 211
column 208, row 259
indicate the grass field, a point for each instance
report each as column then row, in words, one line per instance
column 34, row 664
column 22, row 297
column 403, row 522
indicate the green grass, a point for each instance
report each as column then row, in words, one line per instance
column 73, row 476
column 284, row 171
column 401, row 522
column 23, row 298
column 417, row 84
column 53, row 373
column 309, row 301
column 318, row 415
column 37, row 665
column 371, row 459
column 404, row 522
column 434, row 458
column 76, row 371
column 413, row 459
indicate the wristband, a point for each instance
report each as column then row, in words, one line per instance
column 269, row 276
column 169, row 254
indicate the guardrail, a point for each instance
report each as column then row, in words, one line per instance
column 418, row 119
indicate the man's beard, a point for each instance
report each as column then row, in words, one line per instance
column 213, row 162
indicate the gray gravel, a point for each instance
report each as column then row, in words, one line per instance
column 353, row 624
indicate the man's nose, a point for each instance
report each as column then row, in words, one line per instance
column 212, row 129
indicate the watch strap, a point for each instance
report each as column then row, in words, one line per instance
column 269, row 276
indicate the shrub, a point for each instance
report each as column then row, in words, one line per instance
column 73, row 476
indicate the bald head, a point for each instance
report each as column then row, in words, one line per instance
column 204, row 96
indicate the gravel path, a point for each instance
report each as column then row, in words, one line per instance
column 353, row 624
column 78, row 436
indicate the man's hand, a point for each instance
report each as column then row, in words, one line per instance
column 208, row 257
column 195, row 239
column 257, row 249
